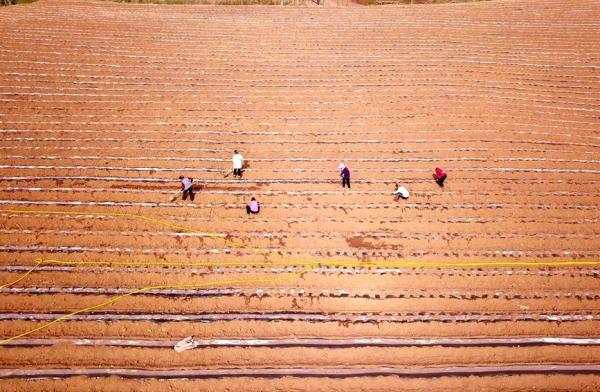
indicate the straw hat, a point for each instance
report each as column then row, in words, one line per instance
column 341, row 166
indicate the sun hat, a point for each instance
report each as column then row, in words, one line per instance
column 341, row 166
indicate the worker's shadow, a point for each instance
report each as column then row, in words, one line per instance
column 245, row 166
column 195, row 188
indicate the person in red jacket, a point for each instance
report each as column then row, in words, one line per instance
column 440, row 176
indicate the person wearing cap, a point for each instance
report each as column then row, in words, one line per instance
column 253, row 207
column 401, row 192
column 345, row 174
column 238, row 164
column 439, row 176
column 187, row 187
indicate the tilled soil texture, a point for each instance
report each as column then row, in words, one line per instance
column 104, row 105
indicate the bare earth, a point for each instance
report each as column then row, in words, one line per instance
column 104, row 105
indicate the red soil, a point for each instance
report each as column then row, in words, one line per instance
column 104, row 105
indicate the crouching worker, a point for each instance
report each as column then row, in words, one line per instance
column 401, row 192
column 253, row 207
column 187, row 187
column 440, row 176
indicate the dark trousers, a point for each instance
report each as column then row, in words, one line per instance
column 237, row 172
column 189, row 191
column 441, row 180
column 346, row 181
column 249, row 211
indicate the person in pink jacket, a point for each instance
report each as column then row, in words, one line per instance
column 187, row 187
column 253, row 207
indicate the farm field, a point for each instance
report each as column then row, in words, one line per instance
column 489, row 283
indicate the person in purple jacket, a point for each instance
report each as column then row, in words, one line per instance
column 345, row 174
column 187, row 187
column 253, row 207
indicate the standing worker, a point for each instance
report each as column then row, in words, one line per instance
column 238, row 164
column 187, row 187
column 345, row 174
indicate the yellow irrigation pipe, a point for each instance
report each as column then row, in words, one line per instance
column 265, row 252
column 20, row 278
column 142, row 217
column 141, row 290
column 39, row 262
column 366, row 264
column 311, row 263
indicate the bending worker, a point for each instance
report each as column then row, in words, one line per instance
column 187, row 187
column 440, row 176
column 345, row 174
column 401, row 192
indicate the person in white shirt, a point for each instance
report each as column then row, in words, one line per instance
column 238, row 164
column 401, row 192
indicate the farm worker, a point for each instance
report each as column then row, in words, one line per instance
column 238, row 163
column 345, row 174
column 253, row 207
column 401, row 192
column 186, row 187
column 440, row 176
